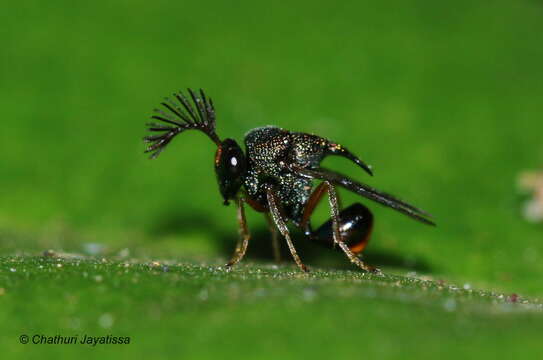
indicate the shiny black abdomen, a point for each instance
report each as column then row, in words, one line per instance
column 355, row 229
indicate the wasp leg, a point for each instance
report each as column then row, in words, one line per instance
column 241, row 247
column 314, row 199
column 349, row 229
column 334, row 210
column 282, row 226
column 275, row 239
column 356, row 223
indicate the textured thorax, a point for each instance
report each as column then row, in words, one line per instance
column 270, row 151
column 267, row 150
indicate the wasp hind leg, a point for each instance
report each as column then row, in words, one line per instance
column 355, row 225
column 350, row 229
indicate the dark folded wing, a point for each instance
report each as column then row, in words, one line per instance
column 368, row 192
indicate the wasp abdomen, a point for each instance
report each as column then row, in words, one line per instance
column 356, row 222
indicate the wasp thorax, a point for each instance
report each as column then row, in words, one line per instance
column 230, row 166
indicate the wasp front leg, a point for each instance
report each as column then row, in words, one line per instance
column 241, row 247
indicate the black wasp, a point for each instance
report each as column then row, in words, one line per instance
column 275, row 176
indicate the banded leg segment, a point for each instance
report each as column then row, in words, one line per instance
column 241, row 247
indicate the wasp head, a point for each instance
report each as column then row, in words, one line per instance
column 230, row 167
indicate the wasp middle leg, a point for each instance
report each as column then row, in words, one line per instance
column 282, row 226
column 276, row 246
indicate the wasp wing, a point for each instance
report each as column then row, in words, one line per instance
column 368, row 192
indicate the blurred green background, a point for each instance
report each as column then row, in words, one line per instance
column 443, row 99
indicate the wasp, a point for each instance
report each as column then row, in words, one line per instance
column 276, row 175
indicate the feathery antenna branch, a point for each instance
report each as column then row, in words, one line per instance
column 180, row 119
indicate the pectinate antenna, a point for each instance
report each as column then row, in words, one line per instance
column 180, row 116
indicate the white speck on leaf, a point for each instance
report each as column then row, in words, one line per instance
column 203, row 295
column 106, row 320
column 449, row 305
